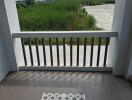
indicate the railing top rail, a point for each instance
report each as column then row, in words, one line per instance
column 39, row 34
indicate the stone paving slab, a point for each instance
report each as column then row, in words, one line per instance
column 103, row 14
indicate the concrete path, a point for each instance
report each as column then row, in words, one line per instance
column 103, row 15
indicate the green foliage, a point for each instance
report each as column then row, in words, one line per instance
column 91, row 21
column 57, row 15
column 92, row 2
column 110, row 1
column 21, row 5
column 67, row 41
column 29, row 2
column 96, row 2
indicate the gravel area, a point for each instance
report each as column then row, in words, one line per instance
column 103, row 14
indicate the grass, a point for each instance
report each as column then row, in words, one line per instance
column 96, row 2
column 58, row 15
column 67, row 41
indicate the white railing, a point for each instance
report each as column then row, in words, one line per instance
column 86, row 50
column 54, row 34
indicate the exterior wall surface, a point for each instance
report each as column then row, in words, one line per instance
column 4, row 65
column 8, row 25
column 122, row 52
column 4, row 62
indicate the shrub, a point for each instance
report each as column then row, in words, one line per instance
column 21, row 5
column 59, row 15
column 29, row 2
column 93, row 2
column 109, row 1
column 91, row 21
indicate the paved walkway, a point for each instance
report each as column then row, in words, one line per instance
column 103, row 15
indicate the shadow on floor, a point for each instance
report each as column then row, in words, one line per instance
column 30, row 85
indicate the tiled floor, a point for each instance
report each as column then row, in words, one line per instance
column 95, row 86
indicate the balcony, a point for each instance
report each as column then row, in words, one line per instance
column 30, row 85
column 60, row 72
column 93, row 65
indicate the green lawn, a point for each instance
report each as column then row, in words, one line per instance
column 55, row 16
column 58, row 15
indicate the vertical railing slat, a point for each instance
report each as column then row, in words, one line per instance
column 33, row 43
column 106, row 50
column 78, row 40
column 98, row 54
column 30, row 50
column 64, row 52
column 91, row 54
column 44, row 51
column 37, row 51
column 84, row 55
column 57, row 47
column 51, row 54
column 71, row 51
column 24, row 53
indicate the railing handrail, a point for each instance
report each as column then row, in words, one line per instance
column 53, row 34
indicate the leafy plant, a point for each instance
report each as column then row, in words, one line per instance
column 29, row 2
column 92, row 2
column 58, row 15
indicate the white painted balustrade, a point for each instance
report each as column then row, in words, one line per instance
column 87, row 56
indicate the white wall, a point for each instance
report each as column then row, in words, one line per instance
column 13, row 21
column 114, row 45
column 128, row 26
column 4, row 64
column 121, row 46
column 8, row 24
column 12, row 16
column 4, row 61
column 130, row 50
column 6, row 8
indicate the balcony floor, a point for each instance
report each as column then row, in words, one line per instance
column 96, row 86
